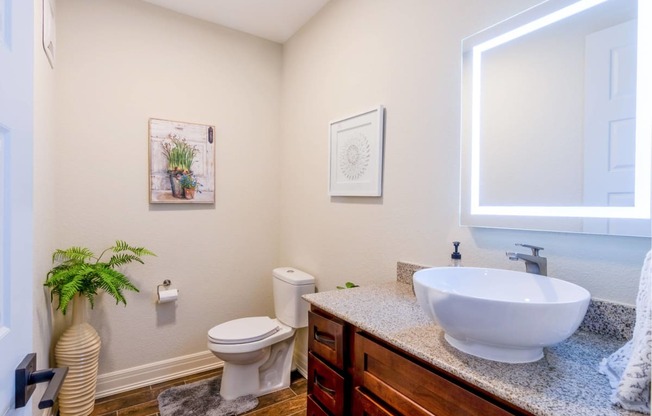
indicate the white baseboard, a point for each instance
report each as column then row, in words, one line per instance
column 157, row 372
column 144, row 375
column 301, row 362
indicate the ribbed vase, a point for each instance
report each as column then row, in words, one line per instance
column 79, row 350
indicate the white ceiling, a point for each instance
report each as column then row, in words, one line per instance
column 276, row 20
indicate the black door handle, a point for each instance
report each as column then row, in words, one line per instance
column 27, row 377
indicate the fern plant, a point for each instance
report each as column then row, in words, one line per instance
column 81, row 272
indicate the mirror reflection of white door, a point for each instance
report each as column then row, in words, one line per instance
column 16, row 128
column 610, row 127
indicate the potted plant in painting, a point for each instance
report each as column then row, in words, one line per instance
column 189, row 185
column 77, row 278
column 180, row 156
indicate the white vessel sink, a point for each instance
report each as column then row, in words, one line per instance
column 500, row 315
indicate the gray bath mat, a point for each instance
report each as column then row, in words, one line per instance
column 202, row 398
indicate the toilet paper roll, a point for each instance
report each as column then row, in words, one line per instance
column 170, row 295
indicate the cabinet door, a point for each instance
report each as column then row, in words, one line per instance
column 411, row 389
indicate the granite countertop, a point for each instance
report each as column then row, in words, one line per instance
column 564, row 382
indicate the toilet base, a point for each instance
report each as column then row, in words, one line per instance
column 266, row 375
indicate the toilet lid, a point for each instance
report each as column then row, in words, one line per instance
column 243, row 330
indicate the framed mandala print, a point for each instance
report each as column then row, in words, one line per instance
column 356, row 154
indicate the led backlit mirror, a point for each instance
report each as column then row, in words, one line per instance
column 557, row 119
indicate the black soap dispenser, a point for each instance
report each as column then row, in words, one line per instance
column 456, row 256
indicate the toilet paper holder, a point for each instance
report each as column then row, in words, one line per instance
column 166, row 283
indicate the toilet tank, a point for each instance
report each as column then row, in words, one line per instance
column 289, row 284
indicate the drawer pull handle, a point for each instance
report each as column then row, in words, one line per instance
column 325, row 339
column 330, row 392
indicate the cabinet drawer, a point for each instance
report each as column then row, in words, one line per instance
column 325, row 385
column 326, row 339
column 314, row 409
column 411, row 389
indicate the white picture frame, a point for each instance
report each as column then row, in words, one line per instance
column 356, row 154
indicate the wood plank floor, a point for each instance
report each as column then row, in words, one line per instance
column 142, row 402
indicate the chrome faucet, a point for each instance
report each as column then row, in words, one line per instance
column 533, row 263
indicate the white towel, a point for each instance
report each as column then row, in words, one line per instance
column 628, row 369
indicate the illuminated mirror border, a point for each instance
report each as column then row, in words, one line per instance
column 643, row 169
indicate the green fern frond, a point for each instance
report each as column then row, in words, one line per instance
column 110, row 283
column 74, row 254
column 124, row 258
column 114, row 283
column 59, row 275
column 138, row 251
column 142, row 251
column 68, row 291
column 121, row 246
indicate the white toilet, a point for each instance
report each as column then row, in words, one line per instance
column 257, row 351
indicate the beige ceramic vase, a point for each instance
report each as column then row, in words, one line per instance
column 79, row 350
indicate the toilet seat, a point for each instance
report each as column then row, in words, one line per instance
column 244, row 330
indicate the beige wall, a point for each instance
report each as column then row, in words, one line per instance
column 405, row 55
column 120, row 62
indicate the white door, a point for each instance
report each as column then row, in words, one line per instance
column 16, row 127
column 610, row 127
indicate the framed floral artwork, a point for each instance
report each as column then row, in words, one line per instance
column 356, row 154
column 181, row 162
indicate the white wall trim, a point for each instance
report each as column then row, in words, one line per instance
column 301, row 362
column 157, row 372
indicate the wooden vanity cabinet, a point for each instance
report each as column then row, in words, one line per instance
column 353, row 373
